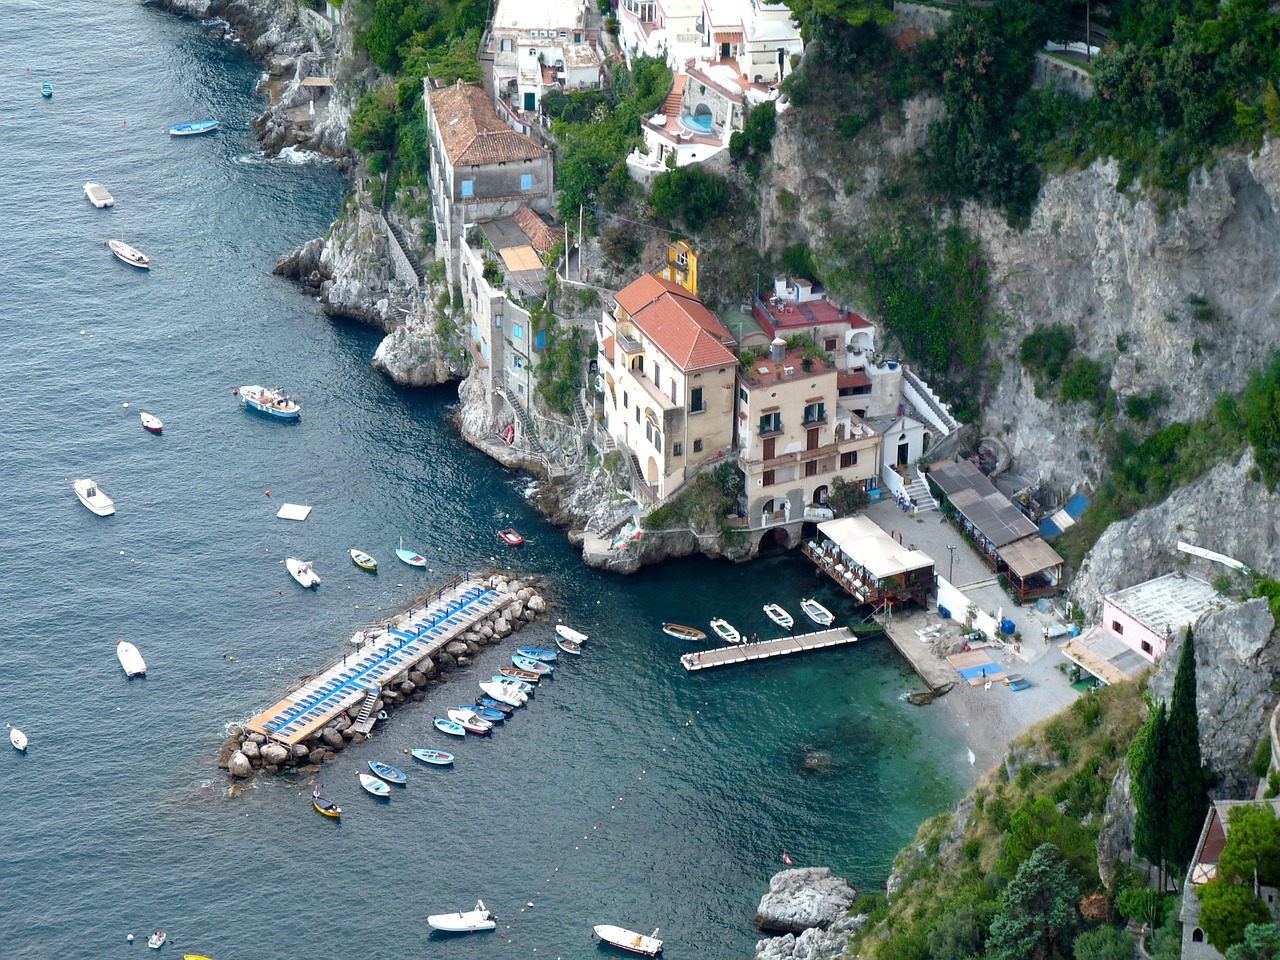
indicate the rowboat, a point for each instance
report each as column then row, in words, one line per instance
column 526, row 677
column 504, row 693
column 468, row 922
column 130, row 659
column 510, row 537
column 151, row 424
column 779, row 616
column 130, row 255
column 436, row 757
column 533, row 666
column 270, row 401
column 327, row 807
column 99, row 195
column 375, row 786
column 387, row 772
column 726, row 631
column 411, row 557
column 469, row 722
column 681, row 632
column 570, row 634
column 537, row 653
column 449, row 727
column 17, row 738
column 487, row 714
column 93, row 498
column 568, row 646
column 630, row 941
column 363, row 560
column 817, row 612
column 46, row 89
column 156, row 940
column 301, row 571
column 195, row 128
column 503, row 708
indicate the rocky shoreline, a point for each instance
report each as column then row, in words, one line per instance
column 811, row 908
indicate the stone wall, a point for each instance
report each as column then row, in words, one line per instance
column 1049, row 71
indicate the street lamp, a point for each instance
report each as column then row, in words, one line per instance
column 951, row 567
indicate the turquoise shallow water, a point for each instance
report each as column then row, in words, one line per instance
column 629, row 792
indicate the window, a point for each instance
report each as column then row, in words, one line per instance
column 497, row 321
column 697, row 446
column 815, row 413
column 506, row 45
column 677, row 450
column 849, row 459
column 475, row 331
column 829, row 344
column 743, row 395
column 637, row 414
column 768, row 478
column 517, row 362
column 468, row 188
column 648, row 431
column 517, row 331
column 577, row 37
column 811, row 468
column 1146, row 647
column 695, row 401
column 1197, row 935
column 626, row 401
column 526, row 181
column 1117, row 627
column 771, row 423
column 657, row 440
column 657, row 374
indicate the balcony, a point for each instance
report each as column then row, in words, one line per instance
column 628, row 344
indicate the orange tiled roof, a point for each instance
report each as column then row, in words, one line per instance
column 677, row 323
column 472, row 133
column 540, row 233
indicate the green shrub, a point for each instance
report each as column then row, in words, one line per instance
column 1045, row 351
column 691, row 195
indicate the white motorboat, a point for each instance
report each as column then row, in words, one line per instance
column 98, row 195
column 779, row 616
column 725, row 630
column 130, row 659
column 630, row 941
column 270, row 401
column 504, row 693
column 470, row 921
column 570, row 634
column 469, row 722
column 156, row 940
column 130, row 255
column 817, row 612
column 17, row 738
column 301, row 571
column 91, row 496
column 151, row 424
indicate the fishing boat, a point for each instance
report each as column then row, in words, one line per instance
column 99, row 195
column 469, row 722
column 151, row 424
column 630, row 941
column 510, row 537
column 525, row 677
column 817, row 612
column 195, row 128
column 505, row 709
column 568, row 646
column 375, row 786
column 537, row 653
column 726, row 631
column 681, row 632
column 387, row 772
column 269, row 400
column 449, row 727
column 93, row 498
column 301, row 571
column 468, row 922
column 130, row 659
column 327, row 807
column 156, row 940
column 504, row 694
column 779, row 616
column 487, row 714
column 17, row 738
column 533, row 666
column 363, row 560
column 411, row 557
column 569, row 633
column 46, row 89
column 130, row 255
column 438, row 758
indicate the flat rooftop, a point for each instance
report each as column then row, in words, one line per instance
column 1169, row 603
column 538, row 14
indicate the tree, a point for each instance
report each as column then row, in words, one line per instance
column 1226, row 909
column 1261, row 942
column 1104, row 943
column 1271, row 108
column 1252, row 850
column 1038, row 822
column 1037, row 916
column 853, row 12
column 691, row 194
column 373, row 122
column 1188, row 797
column 847, row 498
column 1142, row 904
column 1148, row 760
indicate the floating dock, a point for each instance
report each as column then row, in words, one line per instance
column 445, row 615
column 764, row 649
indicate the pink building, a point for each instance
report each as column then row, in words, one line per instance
column 1148, row 616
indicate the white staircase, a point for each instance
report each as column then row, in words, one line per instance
column 918, row 491
column 365, row 718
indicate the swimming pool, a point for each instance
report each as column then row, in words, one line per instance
column 700, row 123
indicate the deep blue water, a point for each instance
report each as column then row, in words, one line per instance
column 629, row 792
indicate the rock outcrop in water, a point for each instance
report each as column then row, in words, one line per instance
column 811, row 907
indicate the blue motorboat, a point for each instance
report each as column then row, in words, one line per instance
column 387, row 772
column 537, row 653
column 449, row 727
column 498, row 705
column 46, row 89
column 437, row 758
column 195, row 128
column 533, row 666
column 484, row 713
column 270, row 401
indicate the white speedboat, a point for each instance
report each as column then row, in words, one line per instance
column 98, row 195
column 91, row 496
column 130, row 659
column 469, row 922
column 469, row 722
column 156, row 940
column 301, row 571
column 630, row 941
column 504, row 693
column 18, row 739
column 817, row 612
column 779, row 616
column 151, row 424
column 570, row 634
column 130, row 255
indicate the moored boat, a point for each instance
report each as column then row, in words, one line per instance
column 537, row 653
column 568, row 646
column 151, row 424
column 156, row 940
column 411, row 557
column 269, row 400
column 510, row 537
column 463, row 922
column 302, row 571
column 387, row 772
column 469, row 722
column 533, row 666
column 577, row 636
column 503, row 693
column 504, row 708
column 375, row 786
column 17, row 738
column 363, row 560
column 327, row 807
column 99, row 195
column 630, row 941
column 487, row 714
column 195, row 128
column 524, row 677
column 779, row 616
column 46, row 89
column 438, row 758
column 130, row 659
column 726, row 631
column 681, row 632
column 93, row 498
column 127, row 254
column 817, row 612
column 449, row 727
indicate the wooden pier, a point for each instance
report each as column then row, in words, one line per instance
column 764, row 649
column 385, row 653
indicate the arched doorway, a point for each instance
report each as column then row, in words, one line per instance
column 613, row 392
column 820, row 495
column 775, row 539
column 651, row 472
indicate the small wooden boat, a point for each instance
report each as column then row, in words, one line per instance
column 570, row 634
column 526, row 677
column 130, row 659
column 469, row 922
column 681, row 632
column 726, row 631
column 411, row 557
column 270, row 401
column 151, row 424
column 504, row 708
column 502, row 692
column 195, row 128
column 93, row 498
column 449, row 727
column 469, row 722
column 568, row 646
column 127, row 254
column 375, row 786
column 510, row 537
column 46, row 89
column 437, row 758
column 533, row 666
column 630, row 941
column 99, row 195
column 817, row 612
column 17, row 738
column 301, row 571
column 387, row 772
column 779, row 616
column 363, row 560
column 537, row 653
column 487, row 714
column 156, row 940
column 327, row 807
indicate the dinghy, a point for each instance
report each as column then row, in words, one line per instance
column 411, row 557
column 195, row 128
column 568, row 646
column 537, row 653
column 156, row 940
column 817, row 612
column 503, row 708
column 487, row 714
column 570, row 634
column 327, row 807
column 533, row 666
column 387, row 772
column 151, row 424
column 468, row 922
column 681, row 632
column 17, row 738
column 130, row 659
column 46, row 89
column 363, row 560
column 449, row 727
column 726, row 631
column 525, row 677
column 375, row 786
column 93, row 498
column 779, row 616
column 301, row 571
column 510, row 537
column 469, row 722
column 437, row 758
column 630, row 941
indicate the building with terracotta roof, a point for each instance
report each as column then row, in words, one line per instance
column 668, row 367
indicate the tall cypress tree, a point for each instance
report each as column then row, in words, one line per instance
column 1188, row 796
column 1148, row 758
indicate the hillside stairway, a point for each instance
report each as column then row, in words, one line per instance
column 920, row 494
column 526, row 424
column 407, row 250
column 671, row 106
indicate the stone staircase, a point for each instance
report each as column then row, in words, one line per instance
column 580, row 418
column 526, row 424
column 407, row 250
column 365, row 719
column 671, row 106
column 919, row 492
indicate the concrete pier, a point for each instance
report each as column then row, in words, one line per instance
column 763, row 650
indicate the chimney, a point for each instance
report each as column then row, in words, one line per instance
column 779, row 348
